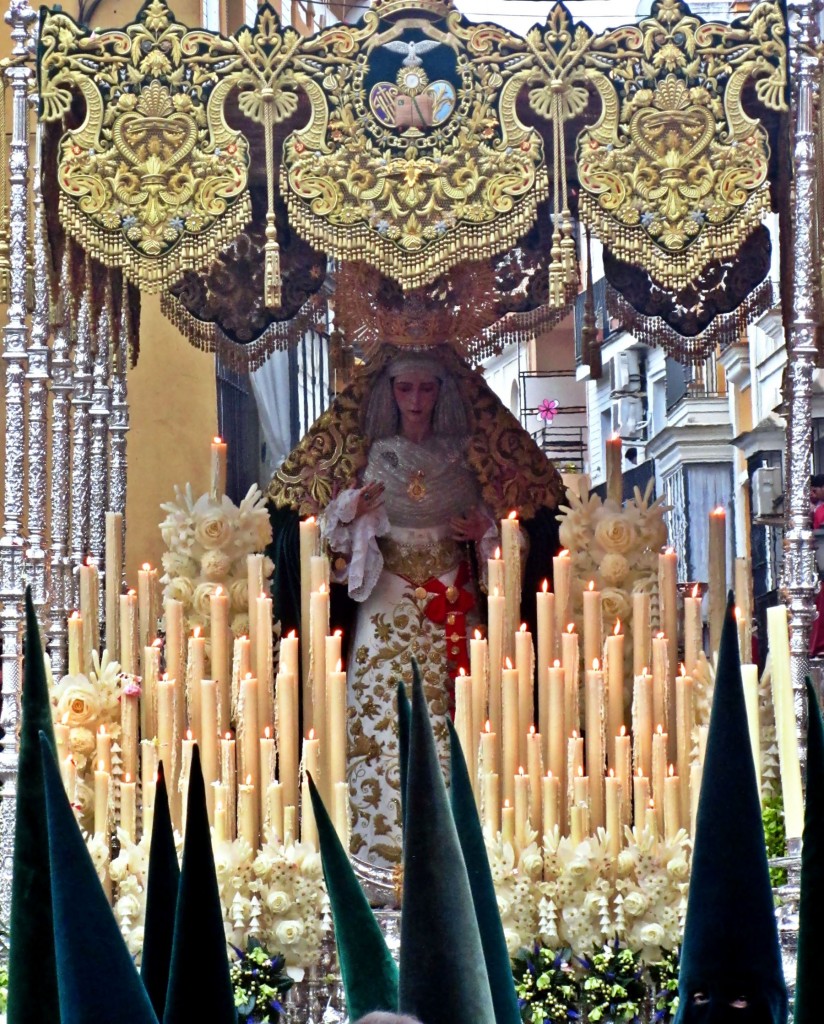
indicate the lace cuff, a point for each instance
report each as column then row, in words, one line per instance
column 356, row 539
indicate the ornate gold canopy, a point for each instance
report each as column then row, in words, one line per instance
column 416, row 142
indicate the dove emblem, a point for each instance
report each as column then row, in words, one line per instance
column 412, row 50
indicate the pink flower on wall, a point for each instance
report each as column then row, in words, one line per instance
column 547, row 410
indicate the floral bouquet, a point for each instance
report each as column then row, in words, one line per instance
column 83, row 704
column 260, row 982
column 208, row 541
column 617, row 547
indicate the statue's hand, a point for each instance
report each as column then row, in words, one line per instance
column 371, row 498
column 469, row 528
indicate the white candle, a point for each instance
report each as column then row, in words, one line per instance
column 148, row 783
column 525, row 664
column 534, row 771
column 495, row 573
column 289, row 659
column 593, row 625
column 668, row 596
column 693, row 630
column 551, row 786
column 129, row 717
column 274, row 809
column 311, row 766
column 660, row 675
column 254, row 589
column 266, row 774
column 128, row 806
column 613, row 813
column 101, row 801
column 615, row 685
column 495, row 609
column 89, row 603
column 557, row 726
column 217, row 483
column 561, row 581
column 286, row 694
column 491, row 804
column 166, row 747
column 785, row 724
column 623, row 772
column 103, row 754
column 309, row 539
column 247, row 813
column 68, row 771
column 508, row 822
column 510, row 543
column 642, row 723
column 147, row 605
column 221, row 668
column 478, row 669
column 221, row 815
column 569, row 659
column 521, row 790
column 129, row 658
column 749, row 678
column 685, row 721
column 463, row 720
column 195, row 671
column 743, row 596
column 148, row 697
column 717, row 574
column 672, row 805
column 113, row 581
column 75, row 626
column 509, row 741
column 228, row 777
column 176, row 659
column 595, row 741
column 318, row 631
column 208, row 741
column 187, row 746
column 640, row 799
column 262, row 660
column 336, row 697
column 659, row 772
column 249, row 736
column 641, row 632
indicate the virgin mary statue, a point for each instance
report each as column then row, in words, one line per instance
column 409, row 472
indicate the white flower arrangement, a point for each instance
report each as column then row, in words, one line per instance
column 208, row 541
column 580, row 897
column 617, row 547
column 276, row 896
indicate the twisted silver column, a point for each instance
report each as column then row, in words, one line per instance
column 38, row 395
column 61, row 390
column 99, row 412
column 15, row 335
column 80, row 462
column 800, row 581
column 119, row 419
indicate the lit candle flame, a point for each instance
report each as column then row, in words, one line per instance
column 660, row 635
column 228, row 735
column 695, row 590
column 557, row 664
column 75, row 615
column 645, row 670
column 267, row 733
column 737, row 613
column 248, row 780
column 580, row 772
column 512, row 515
column 127, row 778
column 217, row 440
column 612, row 773
column 146, row 566
column 523, row 627
column 509, row 663
column 623, row 731
column 189, row 734
column 496, row 592
column 338, row 632
column 322, row 588
column 506, row 802
column 461, row 671
column 617, row 630
column 101, row 765
column 549, row 774
column 671, row 770
column 591, row 585
column 563, row 553
column 478, row 635
column 131, row 592
column 719, row 510
column 571, row 627
column 595, row 665
column 218, row 590
column 521, row 770
column 311, row 734
column 339, row 665
column 248, row 675
column 291, row 635
column 532, row 730
column 545, row 586
column 575, row 734
column 196, row 632
column 102, row 730
column 660, row 730
column 639, row 774
column 497, row 554
column 157, row 643
column 683, row 669
column 487, row 726
column 311, row 519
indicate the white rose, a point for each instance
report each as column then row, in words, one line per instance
column 614, row 569
column 651, row 934
column 503, row 905
column 127, row 906
column 678, row 867
column 215, row 564
column 578, row 867
column 134, row 940
column 119, row 868
column 213, row 529
column 278, row 902
column 82, row 741
column 532, row 865
column 181, row 589
column 312, row 866
column 614, row 533
column 615, row 604
column 176, row 564
column 288, row 933
column 239, row 593
column 513, row 940
column 635, row 904
column 202, row 598
column 626, row 863
column 79, row 702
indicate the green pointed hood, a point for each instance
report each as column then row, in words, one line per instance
column 200, row 987
column 811, row 907
column 96, row 977
column 473, row 847
column 32, row 966
column 404, row 720
column 370, row 975
column 161, row 900
column 730, row 948
column 443, row 977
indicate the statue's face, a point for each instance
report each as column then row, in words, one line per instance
column 416, row 395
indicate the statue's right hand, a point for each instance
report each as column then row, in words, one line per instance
column 371, row 498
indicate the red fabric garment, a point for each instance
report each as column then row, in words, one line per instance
column 818, row 516
column 448, row 607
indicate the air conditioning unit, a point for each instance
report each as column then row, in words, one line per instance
column 766, row 490
column 631, row 422
column 626, row 373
